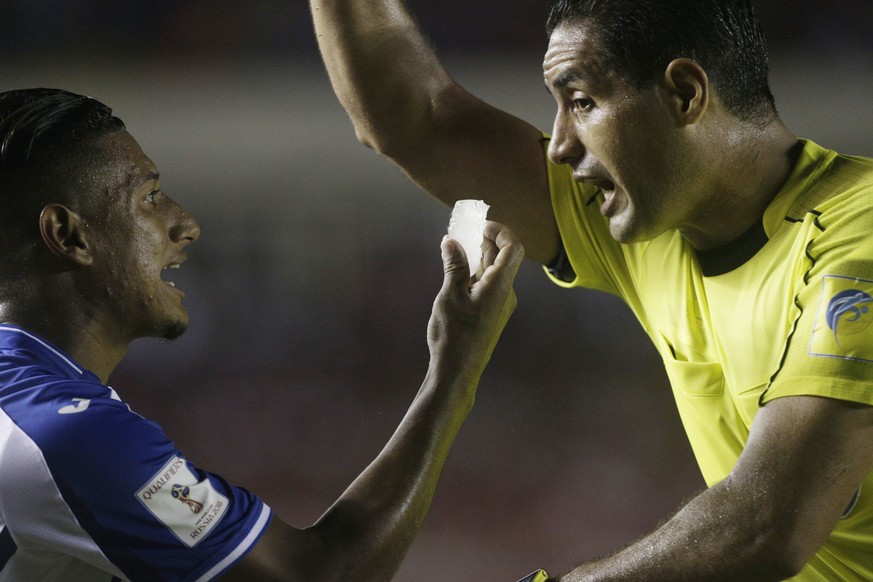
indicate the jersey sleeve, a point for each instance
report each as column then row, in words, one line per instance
column 830, row 350
column 153, row 514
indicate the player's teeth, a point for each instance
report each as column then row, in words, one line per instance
column 170, row 283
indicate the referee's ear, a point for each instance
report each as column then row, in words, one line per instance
column 688, row 87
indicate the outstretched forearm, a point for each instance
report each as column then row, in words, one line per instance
column 717, row 536
column 375, row 520
column 382, row 68
column 366, row 533
column 405, row 105
column 801, row 467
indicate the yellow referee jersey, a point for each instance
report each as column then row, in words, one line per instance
column 794, row 319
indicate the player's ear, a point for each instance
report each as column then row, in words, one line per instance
column 688, row 88
column 63, row 234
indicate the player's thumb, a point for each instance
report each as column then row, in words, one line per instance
column 456, row 270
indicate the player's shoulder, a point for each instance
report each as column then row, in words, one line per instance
column 81, row 431
column 57, row 412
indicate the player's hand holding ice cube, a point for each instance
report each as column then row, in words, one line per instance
column 470, row 314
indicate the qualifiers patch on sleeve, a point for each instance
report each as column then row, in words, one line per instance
column 843, row 323
column 190, row 509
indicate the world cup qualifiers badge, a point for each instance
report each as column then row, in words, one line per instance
column 182, row 493
column 186, row 504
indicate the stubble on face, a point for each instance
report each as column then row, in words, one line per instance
column 175, row 330
column 626, row 138
column 134, row 245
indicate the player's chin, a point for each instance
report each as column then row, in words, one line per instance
column 175, row 330
column 174, row 327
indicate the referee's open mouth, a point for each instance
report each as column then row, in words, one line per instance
column 606, row 186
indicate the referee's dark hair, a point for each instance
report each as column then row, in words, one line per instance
column 640, row 37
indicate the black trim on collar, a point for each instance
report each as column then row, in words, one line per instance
column 734, row 254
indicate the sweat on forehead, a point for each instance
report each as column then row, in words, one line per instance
column 574, row 55
column 639, row 38
column 86, row 178
column 112, row 164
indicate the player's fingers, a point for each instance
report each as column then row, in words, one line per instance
column 506, row 262
column 456, row 269
column 498, row 237
column 489, row 254
column 498, row 234
column 495, row 285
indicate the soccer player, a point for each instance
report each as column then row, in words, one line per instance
column 670, row 181
column 91, row 491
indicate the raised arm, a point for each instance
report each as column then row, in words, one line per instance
column 367, row 531
column 805, row 459
column 405, row 105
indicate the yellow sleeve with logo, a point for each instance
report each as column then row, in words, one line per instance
column 830, row 352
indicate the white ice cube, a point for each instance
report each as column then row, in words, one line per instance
column 466, row 226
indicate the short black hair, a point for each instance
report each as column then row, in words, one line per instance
column 641, row 37
column 42, row 131
column 39, row 122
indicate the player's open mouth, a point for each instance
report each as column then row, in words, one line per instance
column 171, row 266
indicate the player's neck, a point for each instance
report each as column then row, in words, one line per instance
column 71, row 330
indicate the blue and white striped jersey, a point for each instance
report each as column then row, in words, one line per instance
column 91, row 491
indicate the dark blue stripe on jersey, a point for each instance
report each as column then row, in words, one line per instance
column 7, row 547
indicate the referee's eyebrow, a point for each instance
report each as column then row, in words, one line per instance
column 568, row 77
